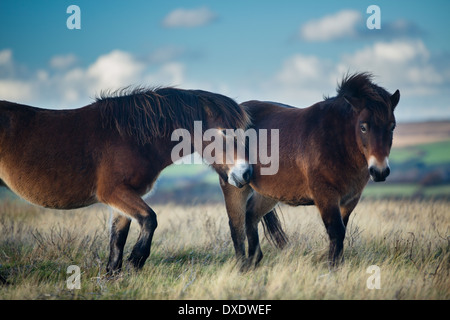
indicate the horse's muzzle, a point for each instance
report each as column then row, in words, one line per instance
column 377, row 174
column 240, row 175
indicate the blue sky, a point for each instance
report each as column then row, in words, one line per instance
column 288, row 51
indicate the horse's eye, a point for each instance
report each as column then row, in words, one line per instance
column 392, row 126
column 363, row 127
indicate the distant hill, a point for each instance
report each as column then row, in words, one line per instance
column 409, row 134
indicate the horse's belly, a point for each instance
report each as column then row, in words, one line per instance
column 298, row 202
column 48, row 195
column 283, row 189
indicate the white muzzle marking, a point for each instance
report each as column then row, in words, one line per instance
column 373, row 162
column 378, row 170
column 239, row 174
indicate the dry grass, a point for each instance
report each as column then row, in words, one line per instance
column 192, row 255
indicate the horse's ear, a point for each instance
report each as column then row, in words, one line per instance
column 354, row 102
column 395, row 98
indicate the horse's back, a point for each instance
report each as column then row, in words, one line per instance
column 283, row 105
column 272, row 115
column 254, row 106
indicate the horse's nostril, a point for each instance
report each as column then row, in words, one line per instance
column 247, row 175
column 372, row 171
column 387, row 171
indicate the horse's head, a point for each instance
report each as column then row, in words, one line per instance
column 223, row 139
column 240, row 171
column 373, row 108
column 225, row 151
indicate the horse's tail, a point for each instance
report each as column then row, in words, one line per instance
column 273, row 230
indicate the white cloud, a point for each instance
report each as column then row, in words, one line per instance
column 189, row 18
column 303, row 79
column 407, row 65
column 169, row 74
column 399, row 51
column 165, row 54
column 5, row 56
column 350, row 24
column 335, row 26
column 63, row 61
column 300, row 68
column 65, row 85
column 11, row 88
column 401, row 63
column 6, row 63
column 114, row 70
column 16, row 90
column 300, row 80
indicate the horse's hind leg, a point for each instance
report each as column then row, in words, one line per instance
column 131, row 204
column 235, row 203
column 120, row 225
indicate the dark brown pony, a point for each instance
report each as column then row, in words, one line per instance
column 327, row 153
column 110, row 151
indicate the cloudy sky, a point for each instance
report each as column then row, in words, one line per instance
column 287, row 51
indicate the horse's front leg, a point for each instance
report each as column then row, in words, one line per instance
column 120, row 225
column 235, row 203
column 332, row 219
column 347, row 209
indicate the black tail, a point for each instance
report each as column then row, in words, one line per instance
column 273, row 230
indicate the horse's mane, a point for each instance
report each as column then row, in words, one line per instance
column 149, row 113
column 361, row 86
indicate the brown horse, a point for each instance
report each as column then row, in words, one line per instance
column 110, row 151
column 327, row 153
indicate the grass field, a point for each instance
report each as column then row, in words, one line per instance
column 192, row 255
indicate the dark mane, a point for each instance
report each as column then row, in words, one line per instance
column 146, row 113
column 361, row 86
